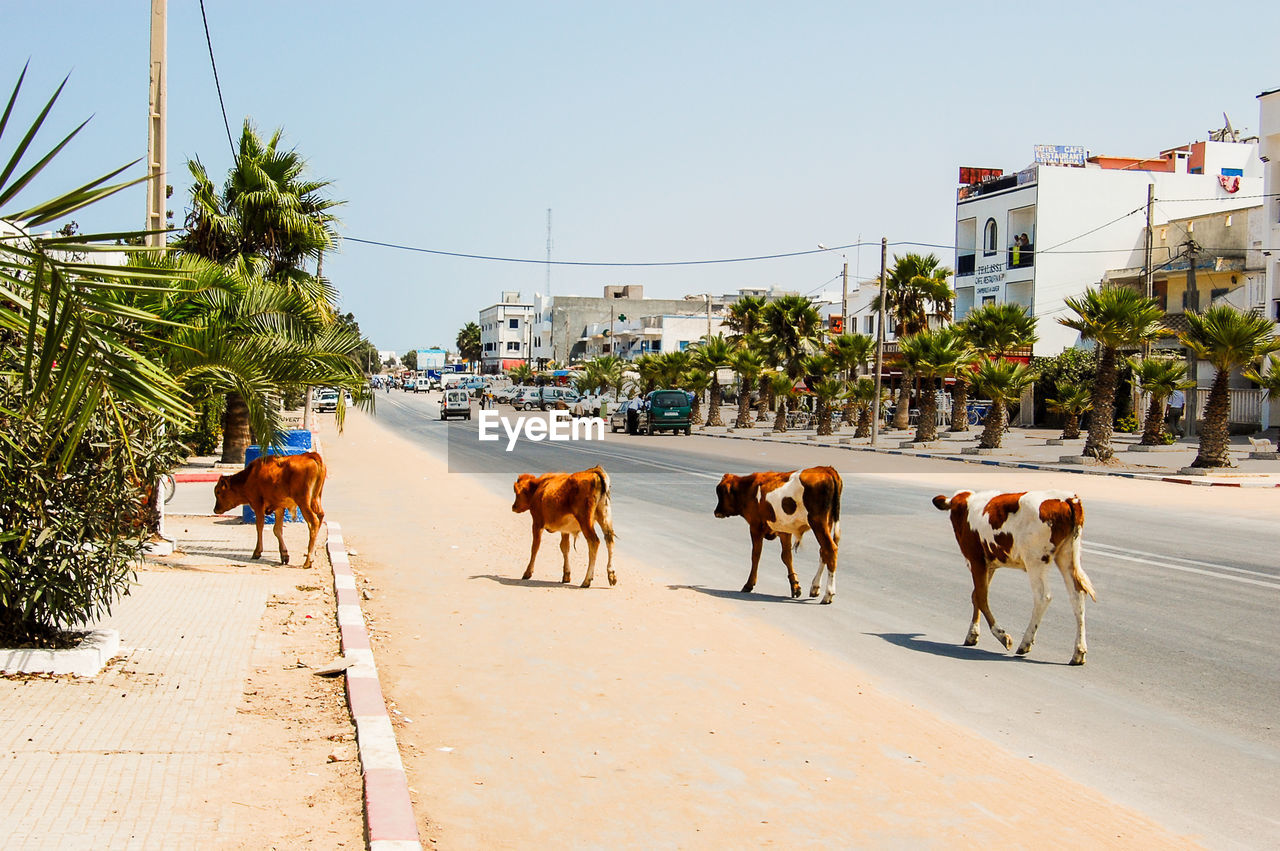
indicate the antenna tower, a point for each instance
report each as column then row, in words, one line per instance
column 548, row 252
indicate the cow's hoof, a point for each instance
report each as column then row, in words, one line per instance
column 748, row 588
column 970, row 640
column 1007, row 639
column 256, row 556
column 795, row 592
column 528, row 574
column 827, row 599
column 815, row 591
column 1077, row 659
column 613, row 579
column 586, row 583
column 565, row 580
column 1023, row 649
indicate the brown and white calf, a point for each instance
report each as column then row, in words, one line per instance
column 277, row 483
column 785, row 506
column 568, row 503
column 1027, row 531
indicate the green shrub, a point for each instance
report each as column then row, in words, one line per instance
column 1127, row 423
column 69, row 541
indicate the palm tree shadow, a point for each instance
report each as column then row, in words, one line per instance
column 913, row 641
column 745, row 596
column 517, row 582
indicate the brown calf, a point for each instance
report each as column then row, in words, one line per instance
column 568, row 503
column 1027, row 531
column 784, row 505
column 277, row 483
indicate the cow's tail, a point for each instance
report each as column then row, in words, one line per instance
column 604, row 508
column 835, row 506
column 1078, row 576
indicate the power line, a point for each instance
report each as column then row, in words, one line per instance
column 216, row 82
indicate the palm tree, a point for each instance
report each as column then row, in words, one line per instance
column 993, row 330
column 521, row 373
column 649, row 369
column 1269, row 380
column 1227, row 339
column 851, row 352
column 711, row 355
column 1002, row 382
column 914, row 289
column 267, row 222
column 696, row 382
column 1073, row 400
column 792, row 332
column 468, row 342
column 747, row 365
column 612, row 371
column 932, row 355
column 819, row 369
column 863, row 393
column 745, row 317
column 1115, row 318
column 673, row 365
column 1158, row 377
column 783, row 389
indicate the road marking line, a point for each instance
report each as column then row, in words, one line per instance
column 1214, row 565
column 1272, row 585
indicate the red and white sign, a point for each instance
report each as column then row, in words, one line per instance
column 1230, row 182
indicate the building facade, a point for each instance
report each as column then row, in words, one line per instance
column 505, row 330
column 1079, row 220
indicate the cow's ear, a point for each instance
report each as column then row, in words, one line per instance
column 525, row 482
column 941, row 503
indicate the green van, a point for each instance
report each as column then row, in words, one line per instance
column 668, row 410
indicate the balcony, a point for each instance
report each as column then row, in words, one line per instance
column 1026, row 258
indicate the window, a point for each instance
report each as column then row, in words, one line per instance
column 989, row 238
column 513, row 347
column 870, row 324
column 988, row 299
column 513, row 323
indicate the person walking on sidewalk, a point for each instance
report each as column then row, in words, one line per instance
column 1177, row 402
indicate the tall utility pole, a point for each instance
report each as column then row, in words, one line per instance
column 875, row 403
column 1151, row 197
column 1193, row 367
column 708, row 317
column 844, row 298
column 157, row 94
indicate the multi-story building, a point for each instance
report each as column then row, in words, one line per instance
column 1269, row 154
column 505, row 330
column 1198, row 261
column 1045, row 233
column 643, row 335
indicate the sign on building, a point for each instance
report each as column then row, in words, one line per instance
column 1060, row 155
column 430, row 358
column 969, row 175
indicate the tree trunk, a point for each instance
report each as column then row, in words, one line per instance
column 1214, row 437
column 993, row 429
column 824, row 417
column 927, row 427
column 902, row 413
column 764, row 399
column 713, row 415
column 695, row 414
column 960, row 406
column 780, row 417
column 1153, row 429
column 744, row 407
column 1070, row 426
column 1098, row 445
column 235, row 430
column 864, row 422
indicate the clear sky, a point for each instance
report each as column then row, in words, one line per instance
column 656, row 132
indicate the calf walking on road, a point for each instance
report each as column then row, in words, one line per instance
column 783, row 506
column 568, row 503
column 1026, row 531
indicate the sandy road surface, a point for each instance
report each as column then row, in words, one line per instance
column 534, row 714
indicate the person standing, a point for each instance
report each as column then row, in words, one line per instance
column 1173, row 415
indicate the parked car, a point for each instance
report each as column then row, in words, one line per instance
column 410, row 384
column 618, row 415
column 507, row 393
column 669, row 410
column 456, row 403
column 546, row 398
column 325, row 400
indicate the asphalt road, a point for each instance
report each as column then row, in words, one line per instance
column 1175, row 712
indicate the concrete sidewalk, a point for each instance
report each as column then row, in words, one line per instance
column 149, row 753
column 1039, row 449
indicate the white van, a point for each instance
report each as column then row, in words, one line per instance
column 456, row 403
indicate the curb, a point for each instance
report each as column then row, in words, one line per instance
column 388, row 811
column 1022, row 465
column 196, row 477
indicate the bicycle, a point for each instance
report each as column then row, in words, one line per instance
column 168, row 486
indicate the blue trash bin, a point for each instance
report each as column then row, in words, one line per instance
column 297, row 442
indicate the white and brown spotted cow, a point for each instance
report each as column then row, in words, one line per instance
column 786, row 505
column 1027, row 531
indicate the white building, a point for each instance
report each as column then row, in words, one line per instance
column 1083, row 218
column 656, row 334
column 1269, row 154
column 505, row 330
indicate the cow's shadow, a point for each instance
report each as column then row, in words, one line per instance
column 913, row 641
column 745, row 596
column 516, row 581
